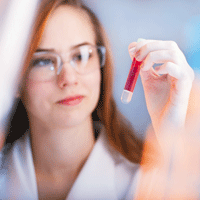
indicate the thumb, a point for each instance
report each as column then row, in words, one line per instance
column 131, row 49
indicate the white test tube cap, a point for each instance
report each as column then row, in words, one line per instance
column 126, row 96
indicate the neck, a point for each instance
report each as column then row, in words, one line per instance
column 61, row 150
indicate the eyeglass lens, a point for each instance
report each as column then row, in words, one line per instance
column 45, row 65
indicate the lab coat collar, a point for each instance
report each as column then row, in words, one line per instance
column 95, row 181
column 19, row 181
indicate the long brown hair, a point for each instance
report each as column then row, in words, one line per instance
column 120, row 132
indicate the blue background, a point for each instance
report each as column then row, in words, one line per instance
column 127, row 20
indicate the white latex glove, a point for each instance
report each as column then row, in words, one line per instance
column 167, row 88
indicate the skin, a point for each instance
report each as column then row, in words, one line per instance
column 168, row 158
column 62, row 131
column 67, row 132
column 167, row 90
column 167, row 87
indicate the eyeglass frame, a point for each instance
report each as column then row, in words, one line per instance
column 101, row 50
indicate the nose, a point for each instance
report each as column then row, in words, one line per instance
column 67, row 76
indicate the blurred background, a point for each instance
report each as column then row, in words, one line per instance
column 127, row 20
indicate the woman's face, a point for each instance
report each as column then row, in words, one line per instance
column 69, row 99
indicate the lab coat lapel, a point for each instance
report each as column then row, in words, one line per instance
column 96, row 179
column 20, row 181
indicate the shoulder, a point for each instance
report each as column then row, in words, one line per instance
column 106, row 174
column 17, row 171
column 11, row 154
column 126, row 173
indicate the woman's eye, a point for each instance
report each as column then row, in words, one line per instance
column 42, row 62
column 77, row 57
column 82, row 56
column 90, row 53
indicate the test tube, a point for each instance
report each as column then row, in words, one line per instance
column 131, row 80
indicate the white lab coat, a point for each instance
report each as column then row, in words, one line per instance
column 106, row 175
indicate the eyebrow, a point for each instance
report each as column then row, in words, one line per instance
column 73, row 47
column 48, row 50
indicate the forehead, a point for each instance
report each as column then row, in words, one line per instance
column 66, row 27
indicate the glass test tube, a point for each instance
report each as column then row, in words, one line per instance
column 131, row 80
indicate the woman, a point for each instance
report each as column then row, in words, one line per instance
column 78, row 145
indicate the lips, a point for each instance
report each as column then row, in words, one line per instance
column 71, row 101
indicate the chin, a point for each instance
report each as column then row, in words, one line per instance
column 70, row 121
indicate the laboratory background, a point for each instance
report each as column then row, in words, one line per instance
column 127, row 20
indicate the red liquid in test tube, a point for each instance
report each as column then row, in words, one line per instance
column 131, row 80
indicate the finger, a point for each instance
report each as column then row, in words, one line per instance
column 143, row 42
column 171, row 69
column 147, row 75
column 184, row 83
column 132, row 46
column 157, row 57
column 143, row 49
column 131, row 49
